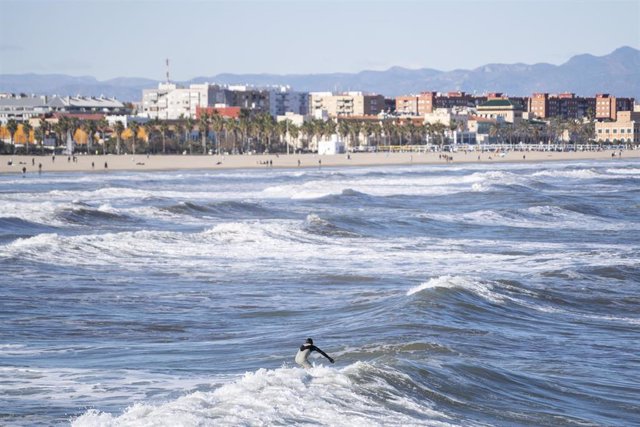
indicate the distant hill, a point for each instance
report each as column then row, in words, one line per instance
column 617, row 73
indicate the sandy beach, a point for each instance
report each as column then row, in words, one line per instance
column 83, row 163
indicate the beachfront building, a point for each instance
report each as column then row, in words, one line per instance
column 625, row 129
column 346, row 104
column 170, row 102
column 23, row 108
column 481, row 128
column 283, row 100
column 564, row 105
column 569, row 106
column 607, row 106
column 427, row 102
column 448, row 116
column 500, row 109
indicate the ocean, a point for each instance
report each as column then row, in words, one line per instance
column 448, row 295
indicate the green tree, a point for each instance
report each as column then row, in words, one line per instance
column 102, row 126
column 164, row 127
column 42, row 132
column 134, row 127
column 438, row 129
column 218, row 124
column 90, row 127
column 118, row 128
column 189, row 124
column 26, row 130
column 12, row 128
column 203, row 128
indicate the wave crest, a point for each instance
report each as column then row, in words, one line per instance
column 359, row 394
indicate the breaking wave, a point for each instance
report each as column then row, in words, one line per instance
column 359, row 394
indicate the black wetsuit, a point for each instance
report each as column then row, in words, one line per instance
column 303, row 354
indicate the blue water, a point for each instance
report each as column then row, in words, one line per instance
column 448, row 295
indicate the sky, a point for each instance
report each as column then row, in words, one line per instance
column 132, row 38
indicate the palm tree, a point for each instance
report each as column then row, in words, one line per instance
column 244, row 127
column 233, row 127
column 307, row 130
column 294, row 133
column 369, row 128
column 164, row 127
column 12, row 127
column 118, row 128
column 179, row 130
column 344, row 129
column 189, row 124
column 90, row 126
column 42, row 131
column 355, row 128
column 26, row 130
column 438, row 130
column 268, row 127
column 102, row 127
column 387, row 129
column 218, row 124
column 134, row 127
column 409, row 129
column 203, row 127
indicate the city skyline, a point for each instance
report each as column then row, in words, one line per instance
column 204, row 38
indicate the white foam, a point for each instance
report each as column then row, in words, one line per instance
column 408, row 185
column 284, row 396
column 484, row 290
column 572, row 174
column 631, row 172
column 536, row 217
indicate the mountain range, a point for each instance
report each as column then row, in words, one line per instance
column 617, row 73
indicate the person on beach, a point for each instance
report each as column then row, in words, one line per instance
column 305, row 350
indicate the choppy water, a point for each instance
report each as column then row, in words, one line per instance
column 448, row 295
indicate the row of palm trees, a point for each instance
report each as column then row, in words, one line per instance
column 534, row 132
column 213, row 133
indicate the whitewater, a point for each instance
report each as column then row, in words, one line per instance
column 448, row 295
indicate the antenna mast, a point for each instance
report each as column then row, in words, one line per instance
column 167, row 62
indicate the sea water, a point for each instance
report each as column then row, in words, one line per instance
column 448, row 295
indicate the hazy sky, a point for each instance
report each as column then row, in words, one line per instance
column 132, row 38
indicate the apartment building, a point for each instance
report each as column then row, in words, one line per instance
column 407, row 105
column 346, row 104
column 170, row 102
column 283, row 100
column 24, row 108
column 427, row 102
column 607, row 106
column 626, row 128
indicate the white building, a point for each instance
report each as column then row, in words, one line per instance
column 446, row 116
column 333, row 145
column 24, row 108
column 170, row 102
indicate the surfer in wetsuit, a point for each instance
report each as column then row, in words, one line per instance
column 305, row 350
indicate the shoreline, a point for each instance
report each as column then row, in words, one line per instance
column 158, row 162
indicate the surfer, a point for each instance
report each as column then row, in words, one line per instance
column 305, row 350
